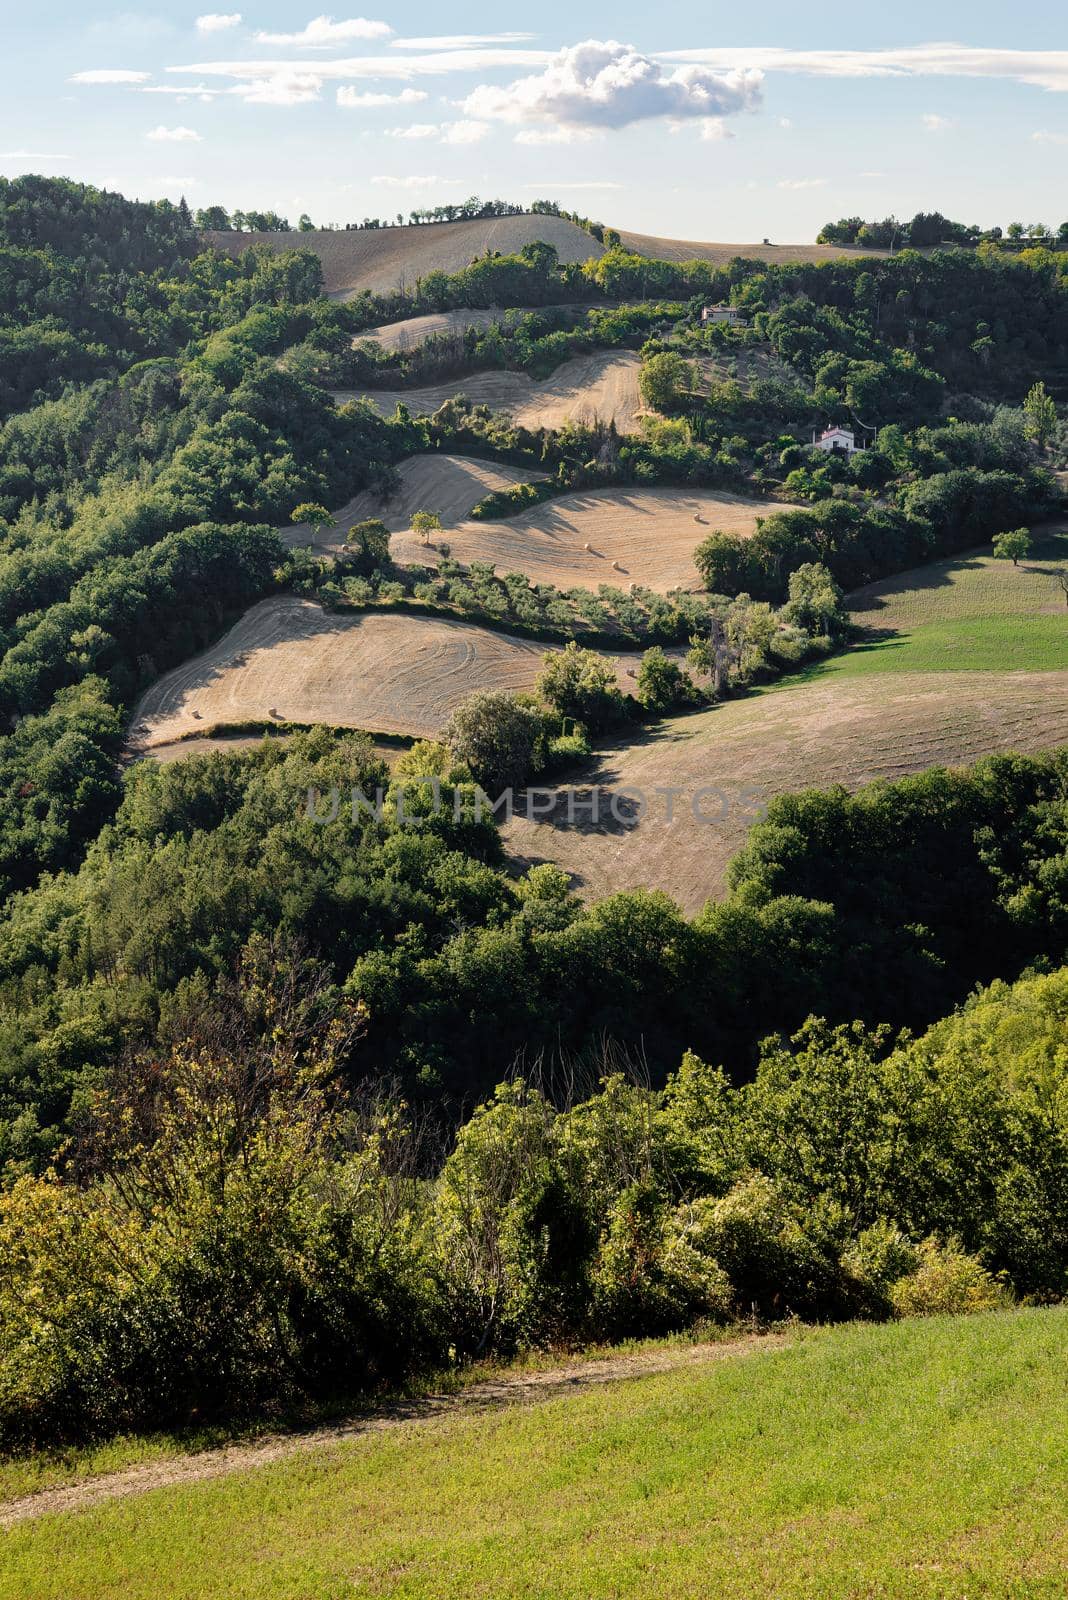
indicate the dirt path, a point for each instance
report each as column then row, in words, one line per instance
column 523, row 1389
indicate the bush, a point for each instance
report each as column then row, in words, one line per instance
column 946, row 1282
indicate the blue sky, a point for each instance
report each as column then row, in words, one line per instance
column 710, row 121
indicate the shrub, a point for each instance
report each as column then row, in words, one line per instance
column 946, row 1282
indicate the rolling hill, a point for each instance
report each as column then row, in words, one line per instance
column 381, row 259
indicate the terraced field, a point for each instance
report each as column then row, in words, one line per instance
column 291, row 661
column 613, row 536
column 601, row 387
column 841, row 730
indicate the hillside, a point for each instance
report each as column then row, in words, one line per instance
column 395, row 258
column 381, row 259
column 922, row 1460
column 650, row 244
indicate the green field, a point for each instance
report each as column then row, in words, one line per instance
column 971, row 613
column 924, row 1458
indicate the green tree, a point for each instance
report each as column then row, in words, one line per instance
column 1011, row 546
column 424, row 523
column 667, row 382
column 496, row 736
column 369, row 543
column 662, row 683
column 580, row 683
column 313, row 515
column 815, row 602
column 1041, row 415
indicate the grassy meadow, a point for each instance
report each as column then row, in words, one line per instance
column 969, row 613
column 923, row 1458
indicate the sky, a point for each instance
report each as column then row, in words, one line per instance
column 709, row 121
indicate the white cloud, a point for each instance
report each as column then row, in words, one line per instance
column 183, row 90
column 383, row 66
column 416, row 182
column 785, row 122
column 557, row 135
column 110, row 75
column 415, row 130
column 802, row 183
column 163, row 135
column 217, row 21
column 282, row 89
column 464, row 132
column 460, row 41
column 1044, row 137
column 443, row 132
column 934, row 123
column 322, row 32
column 353, row 98
column 607, row 84
column 1045, row 69
column 713, row 128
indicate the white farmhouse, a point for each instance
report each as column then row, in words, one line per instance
column 837, row 439
column 723, row 313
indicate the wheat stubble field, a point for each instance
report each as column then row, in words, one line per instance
column 288, row 660
column 381, row 259
column 642, row 536
column 836, row 731
column 602, row 387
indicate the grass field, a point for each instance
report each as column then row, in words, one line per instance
column 921, row 1459
column 972, row 613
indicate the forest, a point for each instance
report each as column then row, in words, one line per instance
column 290, row 1108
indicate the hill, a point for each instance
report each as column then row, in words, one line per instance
column 921, row 1459
column 650, row 244
column 380, row 259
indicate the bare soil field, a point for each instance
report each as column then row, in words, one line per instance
column 648, row 244
column 602, row 386
column 613, row 536
column 385, row 672
column 836, row 731
column 382, row 259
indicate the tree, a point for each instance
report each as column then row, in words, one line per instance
column 667, row 381
column 495, row 735
column 1041, row 415
column 662, row 683
column 425, row 523
column 306, row 225
column 1011, row 546
column 580, row 683
column 315, row 515
column 1015, row 230
column 815, row 602
column 369, row 543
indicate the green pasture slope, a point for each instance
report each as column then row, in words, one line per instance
column 924, row 1458
column 970, row 612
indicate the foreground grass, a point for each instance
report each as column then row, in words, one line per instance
column 927, row 1458
column 971, row 613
